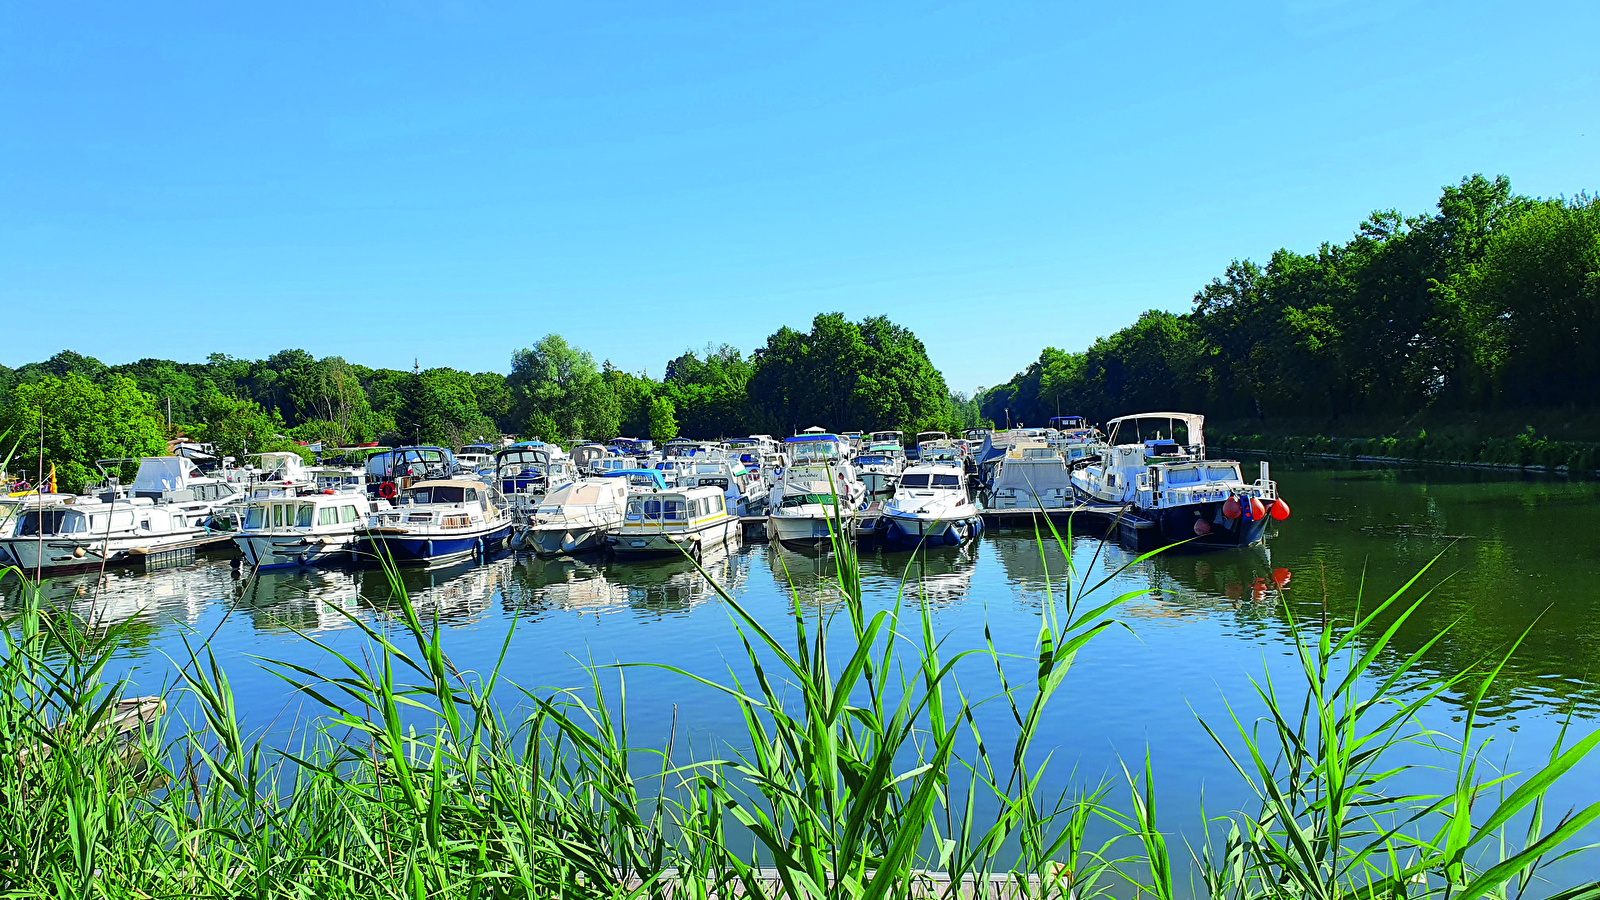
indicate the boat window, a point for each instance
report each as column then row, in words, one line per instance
column 145, row 524
column 303, row 520
column 348, row 514
column 472, row 494
column 327, row 515
column 635, row 510
column 1221, row 473
column 277, row 515
column 719, row 504
column 51, row 519
column 256, row 517
column 795, row 500
column 947, row 481
column 437, row 494
column 914, row 481
column 1184, row 476
column 673, row 510
column 652, row 509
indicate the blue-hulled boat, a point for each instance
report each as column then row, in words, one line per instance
column 439, row 521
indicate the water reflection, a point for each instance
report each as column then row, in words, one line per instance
column 1514, row 553
column 593, row 585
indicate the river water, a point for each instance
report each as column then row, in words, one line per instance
column 1514, row 553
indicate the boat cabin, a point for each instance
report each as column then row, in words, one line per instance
column 675, row 509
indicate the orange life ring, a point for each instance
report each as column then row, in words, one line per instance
column 388, row 491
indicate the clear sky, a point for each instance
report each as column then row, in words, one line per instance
column 452, row 180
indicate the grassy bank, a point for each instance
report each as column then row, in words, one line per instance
column 1553, row 440
column 860, row 773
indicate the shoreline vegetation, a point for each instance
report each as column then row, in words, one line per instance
column 860, row 772
column 1527, row 451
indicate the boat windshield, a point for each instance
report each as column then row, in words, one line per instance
column 794, row 501
column 443, row 494
column 1222, row 473
column 914, row 481
column 55, row 521
column 946, row 481
column 873, row 461
column 813, row 451
column 256, row 518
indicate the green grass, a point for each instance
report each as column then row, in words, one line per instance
column 860, row 773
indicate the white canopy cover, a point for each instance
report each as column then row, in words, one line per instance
column 160, row 474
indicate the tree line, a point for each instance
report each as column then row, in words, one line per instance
column 871, row 374
column 1490, row 303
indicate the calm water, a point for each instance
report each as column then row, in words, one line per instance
column 1513, row 551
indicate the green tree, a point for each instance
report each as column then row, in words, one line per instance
column 663, row 424
column 240, row 428
column 558, row 381
column 82, row 422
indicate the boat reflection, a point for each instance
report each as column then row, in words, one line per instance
column 181, row 593
column 597, row 586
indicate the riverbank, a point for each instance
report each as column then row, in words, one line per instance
column 1561, row 441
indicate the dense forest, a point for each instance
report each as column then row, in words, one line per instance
column 1491, row 303
column 848, row 375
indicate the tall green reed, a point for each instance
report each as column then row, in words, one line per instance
column 861, row 771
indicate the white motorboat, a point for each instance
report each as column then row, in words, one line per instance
column 306, row 530
column 879, row 466
column 931, row 505
column 746, row 492
column 524, row 473
column 574, row 518
column 438, row 521
column 674, row 522
column 817, row 487
column 159, row 512
column 1032, row 477
column 1154, row 464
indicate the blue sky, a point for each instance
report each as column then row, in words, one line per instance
column 450, row 181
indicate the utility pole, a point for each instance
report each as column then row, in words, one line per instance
column 169, row 411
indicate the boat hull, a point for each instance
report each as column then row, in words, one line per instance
column 411, row 549
column 909, row 532
column 282, row 551
column 675, row 543
column 805, row 529
column 64, row 556
column 1143, row 530
column 562, row 541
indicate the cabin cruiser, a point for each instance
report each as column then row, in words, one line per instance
column 1032, row 476
column 817, row 486
column 439, row 520
column 926, row 438
column 160, row 512
column 173, row 481
column 746, row 492
column 524, row 473
column 584, row 457
column 610, row 465
column 886, row 437
column 879, row 466
column 1155, row 466
column 633, row 446
column 930, row 505
column 574, row 517
column 313, row 529
column 976, row 435
column 474, row 458
column 675, row 521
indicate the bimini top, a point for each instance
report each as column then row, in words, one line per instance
column 656, row 476
column 810, row 436
column 159, row 474
column 1194, row 425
